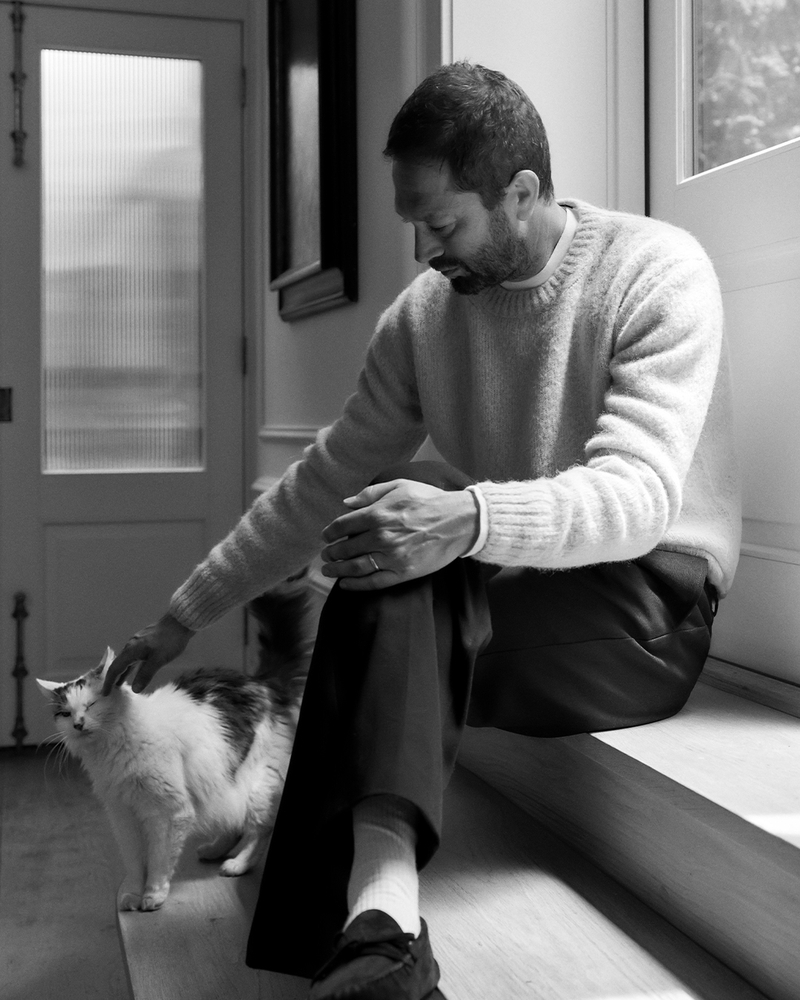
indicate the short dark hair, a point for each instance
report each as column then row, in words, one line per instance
column 478, row 122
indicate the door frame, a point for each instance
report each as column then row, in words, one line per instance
column 252, row 21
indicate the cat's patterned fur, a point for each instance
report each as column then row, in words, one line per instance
column 206, row 753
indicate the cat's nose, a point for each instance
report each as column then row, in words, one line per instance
column 77, row 725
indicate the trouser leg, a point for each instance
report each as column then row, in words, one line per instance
column 394, row 679
column 593, row 648
column 383, row 712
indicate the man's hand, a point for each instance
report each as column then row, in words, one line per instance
column 398, row 531
column 151, row 649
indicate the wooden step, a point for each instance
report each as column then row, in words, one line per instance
column 698, row 815
column 193, row 947
column 513, row 913
column 516, row 913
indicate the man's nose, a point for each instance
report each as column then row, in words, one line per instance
column 426, row 246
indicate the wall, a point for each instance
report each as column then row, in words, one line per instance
column 582, row 64
column 310, row 365
column 595, row 118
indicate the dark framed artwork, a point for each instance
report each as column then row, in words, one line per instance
column 314, row 232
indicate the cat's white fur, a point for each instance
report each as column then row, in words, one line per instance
column 161, row 765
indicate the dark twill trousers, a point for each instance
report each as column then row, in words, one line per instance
column 396, row 675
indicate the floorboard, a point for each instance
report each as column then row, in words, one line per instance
column 59, row 872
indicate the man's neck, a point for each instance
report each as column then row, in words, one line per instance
column 546, row 227
column 554, row 229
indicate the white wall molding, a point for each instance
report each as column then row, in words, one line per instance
column 768, row 552
column 771, row 540
column 222, row 10
column 625, row 106
column 288, row 432
column 779, row 694
column 280, row 445
column 760, row 266
column 434, row 35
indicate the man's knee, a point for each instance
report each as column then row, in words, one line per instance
column 439, row 474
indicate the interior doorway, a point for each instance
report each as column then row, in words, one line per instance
column 120, row 332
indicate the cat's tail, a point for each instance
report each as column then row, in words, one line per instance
column 285, row 638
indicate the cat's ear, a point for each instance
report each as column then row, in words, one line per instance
column 47, row 687
column 105, row 663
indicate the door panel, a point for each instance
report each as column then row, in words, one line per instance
column 746, row 213
column 123, row 463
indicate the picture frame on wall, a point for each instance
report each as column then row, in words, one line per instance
column 313, row 164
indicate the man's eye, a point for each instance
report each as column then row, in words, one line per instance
column 439, row 229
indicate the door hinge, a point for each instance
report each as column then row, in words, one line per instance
column 243, row 88
column 5, row 405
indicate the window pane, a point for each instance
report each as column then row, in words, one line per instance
column 122, row 187
column 746, row 78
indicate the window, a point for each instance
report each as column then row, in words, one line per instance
column 122, row 267
column 746, row 78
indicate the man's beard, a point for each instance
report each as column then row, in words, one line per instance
column 504, row 257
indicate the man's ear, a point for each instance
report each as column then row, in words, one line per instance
column 522, row 194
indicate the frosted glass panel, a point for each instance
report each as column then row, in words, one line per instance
column 122, row 189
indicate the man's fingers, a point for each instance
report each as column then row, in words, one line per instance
column 119, row 669
column 375, row 581
column 358, row 519
column 359, row 565
column 147, row 670
column 351, row 548
column 372, row 493
column 133, row 652
column 347, row 525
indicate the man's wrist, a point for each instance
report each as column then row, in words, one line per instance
column 483, row 522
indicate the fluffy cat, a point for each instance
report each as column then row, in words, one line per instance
column 207, row 752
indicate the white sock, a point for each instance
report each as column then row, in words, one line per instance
column 384, row 873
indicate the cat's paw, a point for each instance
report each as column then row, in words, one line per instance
column 130, row 901
column 153, row 899
column 233, row 867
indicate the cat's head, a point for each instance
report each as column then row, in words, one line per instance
column 78, row 706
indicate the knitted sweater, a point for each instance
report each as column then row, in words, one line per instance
column 592, row 410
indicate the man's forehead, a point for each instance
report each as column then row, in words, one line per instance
column 424, row 190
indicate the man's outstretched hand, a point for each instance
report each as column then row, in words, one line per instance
column 151, row 649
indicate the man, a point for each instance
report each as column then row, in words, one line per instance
column 560, row 575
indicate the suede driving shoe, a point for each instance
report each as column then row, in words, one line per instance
column 374, row 959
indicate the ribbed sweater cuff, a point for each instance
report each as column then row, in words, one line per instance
column 521, row 529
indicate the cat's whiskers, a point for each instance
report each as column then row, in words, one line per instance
column 59, row 748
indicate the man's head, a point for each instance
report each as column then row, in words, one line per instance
column 477, row 122
column 471, row 169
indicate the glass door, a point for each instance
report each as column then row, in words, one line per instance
column 120, row 333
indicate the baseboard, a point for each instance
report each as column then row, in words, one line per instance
column 773, row 692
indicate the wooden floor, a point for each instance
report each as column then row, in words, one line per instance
column 59, row 873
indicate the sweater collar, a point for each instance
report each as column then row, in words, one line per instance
column 519, row 302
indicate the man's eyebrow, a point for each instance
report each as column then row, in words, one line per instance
column 439, row 216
